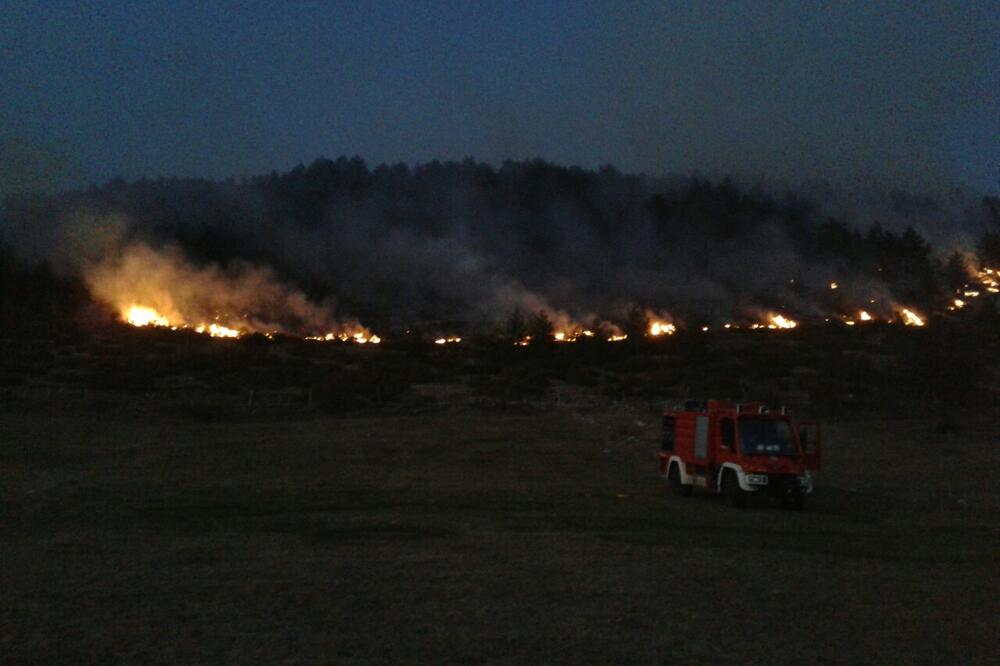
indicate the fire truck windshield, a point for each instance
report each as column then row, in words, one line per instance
column 769, row 437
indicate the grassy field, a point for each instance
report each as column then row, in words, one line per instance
column 524, row 533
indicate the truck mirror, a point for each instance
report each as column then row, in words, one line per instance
column 809, row 440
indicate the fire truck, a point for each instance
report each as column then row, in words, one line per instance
column 740, row 451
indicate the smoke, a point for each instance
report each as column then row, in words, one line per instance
column 241, row 296
column 466, row 242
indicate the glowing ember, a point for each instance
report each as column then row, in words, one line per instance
column 571, row 335
column 910, row 318
column 617, row 338
column 362, row 337
column 864, row 316
column 442, row 341
column 138, row 315
column 833, row 285
column 658, row 328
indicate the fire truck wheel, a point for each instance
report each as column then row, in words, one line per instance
column 674, row 481
column 735, row 496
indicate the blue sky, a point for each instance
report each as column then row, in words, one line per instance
column 901, row 93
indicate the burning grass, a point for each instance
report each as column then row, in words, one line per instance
column 159, row 288
column 832, row 367
column 154, row 287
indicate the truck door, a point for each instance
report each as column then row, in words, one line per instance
column 727, row 435
column 809, row 440
column 667, row 443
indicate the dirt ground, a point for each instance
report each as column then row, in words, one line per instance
column 461, row 535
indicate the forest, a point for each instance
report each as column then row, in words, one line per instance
column 469, row 242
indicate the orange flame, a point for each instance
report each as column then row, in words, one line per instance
column 910, row 318
column 217, row 331
column 138, row 315
column 780, row 321
column 658, row 328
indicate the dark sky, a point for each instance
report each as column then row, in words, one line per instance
column 900, row 92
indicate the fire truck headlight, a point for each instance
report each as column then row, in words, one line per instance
column 757, row 479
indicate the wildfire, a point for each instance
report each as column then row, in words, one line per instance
column 774, row 322
column 658, row 328
column 988, row 280
column 359, row 337
column 226, row 324
column 910, row 318
column 217, row 331
column 160, row 287
column 138, row 315
column 863, row 316
column 572, row 335
column 779, row 321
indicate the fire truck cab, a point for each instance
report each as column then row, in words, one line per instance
column 739, row 450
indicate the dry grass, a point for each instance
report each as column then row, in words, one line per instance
column 537, row 534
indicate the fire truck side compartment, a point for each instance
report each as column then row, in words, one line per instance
column 701, row 437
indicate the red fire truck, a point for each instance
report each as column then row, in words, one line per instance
column 739, row 450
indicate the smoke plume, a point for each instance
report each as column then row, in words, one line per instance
column 467, row 242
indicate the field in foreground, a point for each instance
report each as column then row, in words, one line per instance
column 533, row 534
